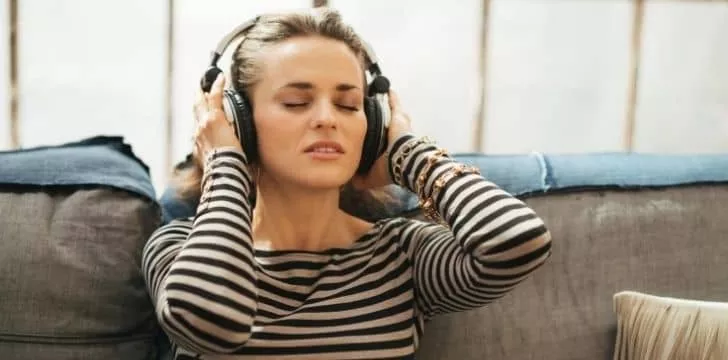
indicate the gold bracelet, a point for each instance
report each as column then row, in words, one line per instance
column 426, row 203
column 443, row 179
column 425, row 173
column 429, row 205
column 404, row 152
column 407, row 148
column 428, row 209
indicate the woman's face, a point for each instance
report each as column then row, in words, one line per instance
column 308, row 111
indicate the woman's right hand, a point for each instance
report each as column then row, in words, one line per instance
column 213, row 130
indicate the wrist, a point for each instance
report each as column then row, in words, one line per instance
column 214, row 153
column 408, row 158
column 394, row 161
column 227, row 154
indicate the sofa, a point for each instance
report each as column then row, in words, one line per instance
column 655, row 224
column 74, row 218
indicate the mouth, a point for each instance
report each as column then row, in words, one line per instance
column 325, row 147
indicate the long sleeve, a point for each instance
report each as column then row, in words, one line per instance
column 200, row 272
column 492, row 240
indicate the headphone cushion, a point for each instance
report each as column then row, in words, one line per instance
column 241, row 113
column 374, row 137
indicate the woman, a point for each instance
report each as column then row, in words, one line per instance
column 295, row 276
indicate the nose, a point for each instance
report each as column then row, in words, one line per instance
column 323, row 115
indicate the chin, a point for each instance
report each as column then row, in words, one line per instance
column 324, row 177
column 314, row 175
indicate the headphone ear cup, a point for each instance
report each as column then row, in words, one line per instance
column 375, row 136
column 238, row 109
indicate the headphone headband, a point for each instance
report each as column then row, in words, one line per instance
column 371, row 57
column 230, row 37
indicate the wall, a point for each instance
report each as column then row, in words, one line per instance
column 683, row 98
column 555, row 77
column 4, row 75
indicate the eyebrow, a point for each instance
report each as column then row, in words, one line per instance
column 308, row 86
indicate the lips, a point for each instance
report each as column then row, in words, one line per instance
column 325, row 147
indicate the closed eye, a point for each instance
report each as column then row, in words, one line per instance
column 304, row 104
column 348, row 108
column 294, row 105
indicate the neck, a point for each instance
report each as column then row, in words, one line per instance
column 297, row 219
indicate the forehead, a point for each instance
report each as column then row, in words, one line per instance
column 313, row 59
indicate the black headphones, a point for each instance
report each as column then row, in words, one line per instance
column 239, row 111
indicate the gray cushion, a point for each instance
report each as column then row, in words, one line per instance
column 672, row 242
column 70, row 265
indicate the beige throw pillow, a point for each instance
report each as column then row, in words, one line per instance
column 661, row 328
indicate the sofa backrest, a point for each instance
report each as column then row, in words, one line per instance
column 671, row 242
column 73, row 222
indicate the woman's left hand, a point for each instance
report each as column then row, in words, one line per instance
column 399, row 125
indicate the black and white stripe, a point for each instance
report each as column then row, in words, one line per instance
column 215, row 294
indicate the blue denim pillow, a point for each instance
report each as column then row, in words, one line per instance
column 100, row 161
column 525, row 175
column 533, row 174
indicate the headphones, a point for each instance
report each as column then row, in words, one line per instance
column 238, row 108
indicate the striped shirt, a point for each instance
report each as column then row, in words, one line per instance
column 217, row 297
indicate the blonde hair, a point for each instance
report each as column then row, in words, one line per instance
column 245, row 70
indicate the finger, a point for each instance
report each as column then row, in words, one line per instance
column 216, row 113
column 215, row 96
column 219, row 83
column 200, row 106
column 393, row 100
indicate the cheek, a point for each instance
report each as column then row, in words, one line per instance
column 359, row 129
column 274, row 131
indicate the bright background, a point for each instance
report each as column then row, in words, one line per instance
column 554, row 75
